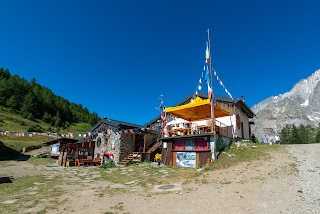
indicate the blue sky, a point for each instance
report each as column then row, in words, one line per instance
column 117, row 57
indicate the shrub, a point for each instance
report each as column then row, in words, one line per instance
column 108, row 165
column 35, row 128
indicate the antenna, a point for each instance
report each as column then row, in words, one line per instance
column 161, row 103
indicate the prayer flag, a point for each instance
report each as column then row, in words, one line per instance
column 199, row 85
column 207, row 54
column 207, row 76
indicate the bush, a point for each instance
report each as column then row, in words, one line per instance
column 108, row 165
column 35, row 128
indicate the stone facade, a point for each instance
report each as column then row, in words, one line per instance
column 120, row 143
column 108, row 142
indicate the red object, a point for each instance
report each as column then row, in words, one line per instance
column 178, row 145
column 208, row 161
column 108, row 155
column 200, row 144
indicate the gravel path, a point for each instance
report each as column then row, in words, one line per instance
column 308, row 181
column 288, row 182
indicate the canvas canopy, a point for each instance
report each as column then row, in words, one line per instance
column 198, row 109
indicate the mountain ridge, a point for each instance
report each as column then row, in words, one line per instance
column 301, row 105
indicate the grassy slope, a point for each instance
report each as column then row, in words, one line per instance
column 10, row 121
column 16, row 142
column 13, row 122
column 249, row 153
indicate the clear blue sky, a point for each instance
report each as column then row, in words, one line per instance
column 116, row 57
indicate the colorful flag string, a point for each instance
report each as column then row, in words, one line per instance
column 221, row 83
column 199, row 86
column 207, row 77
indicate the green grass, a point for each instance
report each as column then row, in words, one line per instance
column 20, row 191
column 17, row 142
column 248, row 153
column 147, row 174
column 78, row 127
column 41, row 161
column 13, row 122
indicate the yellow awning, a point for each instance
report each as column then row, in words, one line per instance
column 198, row 109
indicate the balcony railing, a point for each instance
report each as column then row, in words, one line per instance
column 194, row 129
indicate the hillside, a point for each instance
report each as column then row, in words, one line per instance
column 11, row 145
column 25, row 104
column 35, row 102
column 13, row 122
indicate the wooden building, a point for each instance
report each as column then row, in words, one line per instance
column 116, row 141
column 189, row 138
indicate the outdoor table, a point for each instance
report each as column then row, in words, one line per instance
column 80, row 162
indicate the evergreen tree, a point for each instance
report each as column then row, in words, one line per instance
column 294, row 138
column 285, row 134
column 317, row 135
column 37, row 102
column 47, row 117
column 5, row 74
column 57, row 120
column 302, row 135
column 28, row 107
column 93, row 119
column 13, row 103
column 310, row 134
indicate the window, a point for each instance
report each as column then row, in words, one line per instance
column 190, row 144
column 200, row 144
column 178, row 145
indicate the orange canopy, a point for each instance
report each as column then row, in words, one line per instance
column 198, row 109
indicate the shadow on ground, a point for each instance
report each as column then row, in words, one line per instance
column 5, row 180
column 7, row 153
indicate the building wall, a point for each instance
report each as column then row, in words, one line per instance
column 110, row 143
column 232, row 121
column 245, row 120
column 127, row 145
column 150, row 138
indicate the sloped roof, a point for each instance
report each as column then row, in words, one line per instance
column 115, row 123
column 62, row 140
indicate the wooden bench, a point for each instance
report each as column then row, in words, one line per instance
column 81, row 162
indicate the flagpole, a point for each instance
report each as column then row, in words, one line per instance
column 212, row 96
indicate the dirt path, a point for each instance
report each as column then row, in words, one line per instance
column 287, row 183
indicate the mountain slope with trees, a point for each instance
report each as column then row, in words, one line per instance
column 35, row 102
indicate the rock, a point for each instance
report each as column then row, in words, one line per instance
column 132, row 182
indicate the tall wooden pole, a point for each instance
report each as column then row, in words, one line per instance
column 213, row 122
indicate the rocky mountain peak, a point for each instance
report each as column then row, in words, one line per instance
column 301, row 105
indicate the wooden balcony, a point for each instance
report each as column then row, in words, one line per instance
column 220, row 129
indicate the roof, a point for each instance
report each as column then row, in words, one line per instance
column 61, row 140
column 199, row 109
column 115, row 123
column 237, row 101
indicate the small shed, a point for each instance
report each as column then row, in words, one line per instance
column 53, row 146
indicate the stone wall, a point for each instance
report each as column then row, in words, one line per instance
column 119, row 143
column 109, row 142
